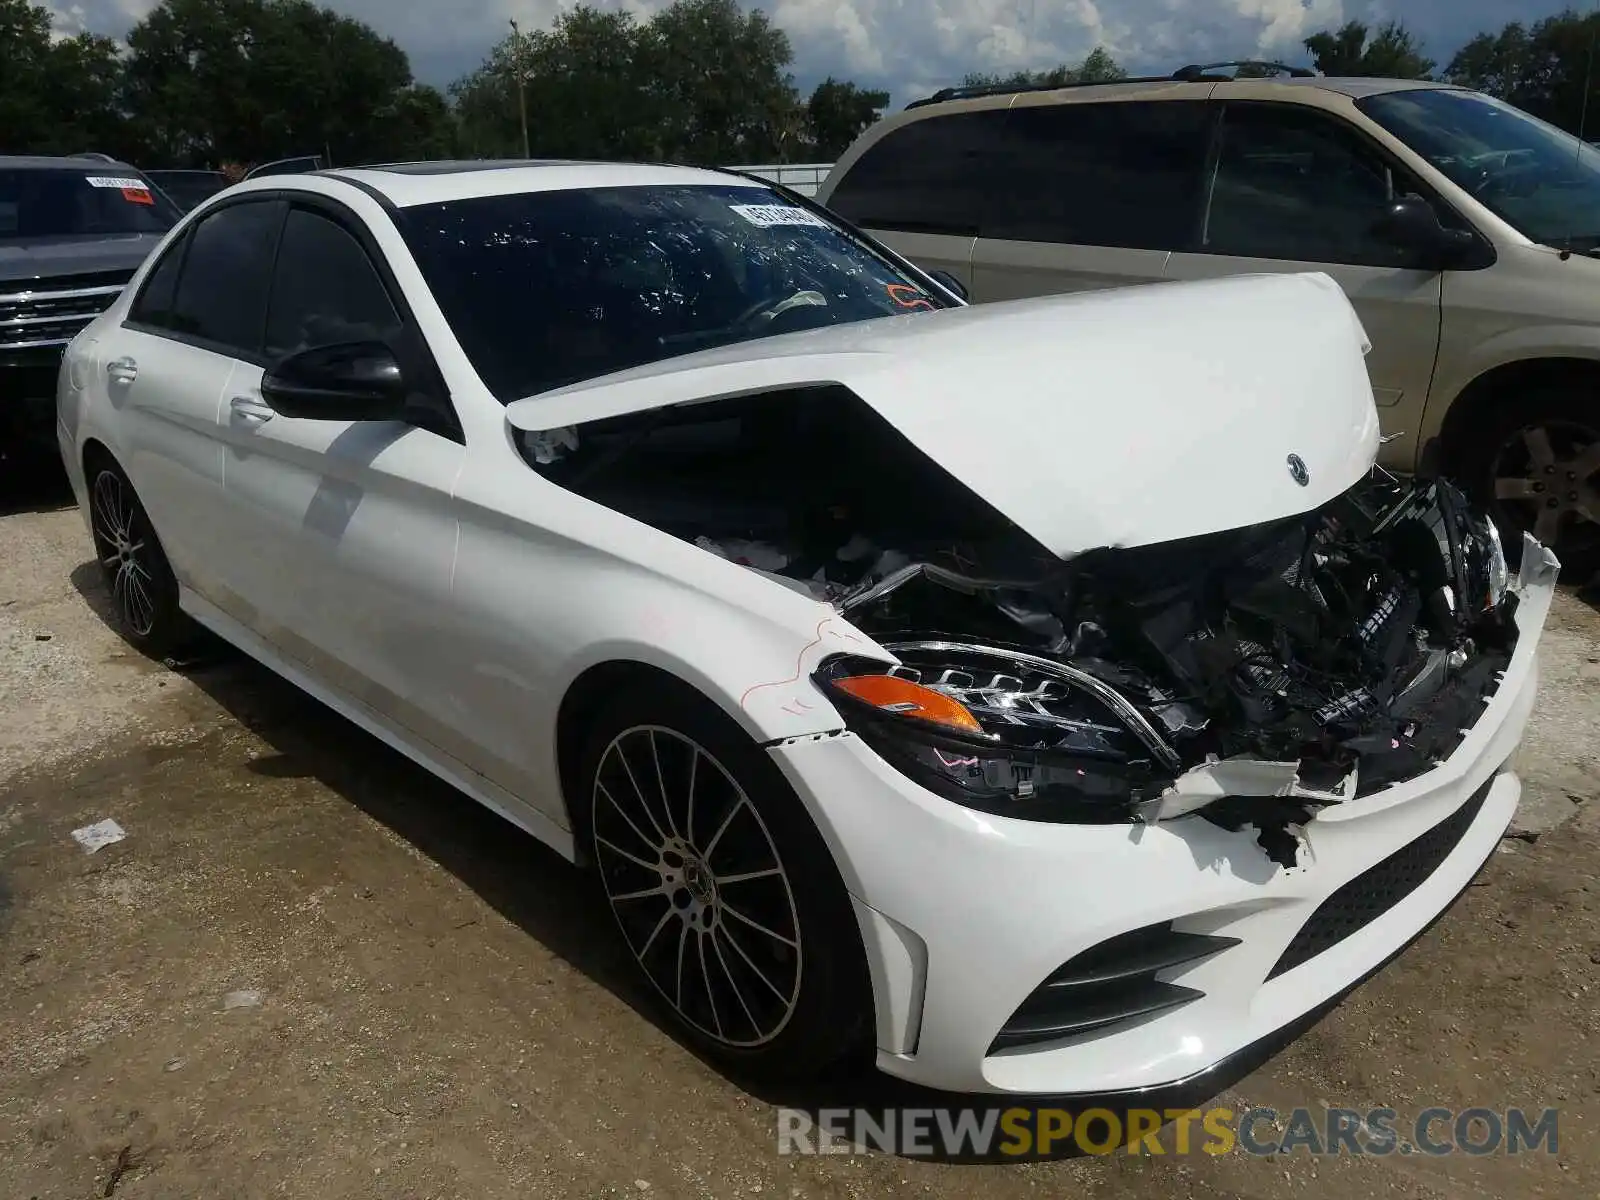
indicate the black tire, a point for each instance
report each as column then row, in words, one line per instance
column 1517, row 459
column 782, row 991
column 144, row 591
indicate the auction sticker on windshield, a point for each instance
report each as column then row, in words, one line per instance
column 769, row 215
column 134, row 191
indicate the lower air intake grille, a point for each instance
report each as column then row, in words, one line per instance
column 1108, row 985
column 1375, row 891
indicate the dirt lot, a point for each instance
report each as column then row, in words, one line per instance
column 310, row 970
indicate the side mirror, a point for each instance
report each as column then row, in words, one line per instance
column 950, row 283
column 350, row 381
column 1411, row 222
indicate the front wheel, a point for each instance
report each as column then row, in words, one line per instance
column 722, row 888
column 1536, row 467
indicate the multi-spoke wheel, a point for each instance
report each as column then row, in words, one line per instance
column 1536, row 463
column 721, row 887
column 144, row 592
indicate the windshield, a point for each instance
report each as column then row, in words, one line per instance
column 1543, row 182
column 549, row 288
column 58, row 203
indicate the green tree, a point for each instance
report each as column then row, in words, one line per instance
column 1551, row 69
column 719, row 83
column 57, row 97
column 838, row 111
column 1391, row 53
column 1098, row 67
column 207, row 80
column 702, row 81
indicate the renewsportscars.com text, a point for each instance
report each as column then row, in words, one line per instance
column 1027, row 1132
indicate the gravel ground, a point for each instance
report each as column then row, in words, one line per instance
column 311, row 970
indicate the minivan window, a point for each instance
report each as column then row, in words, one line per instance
column 1294, row 184
column 1129, row 174
column 92, row 201
column 222, row 293
column 927, row 176
column 544, row 289
column 1543, row 182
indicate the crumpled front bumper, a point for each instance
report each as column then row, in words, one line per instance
column 964, row 914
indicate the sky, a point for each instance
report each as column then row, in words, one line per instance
column 914, row 47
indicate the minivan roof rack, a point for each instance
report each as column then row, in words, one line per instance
column 1007, row 89
column 96, row 155
column 1196, row 72
column 1190, row 74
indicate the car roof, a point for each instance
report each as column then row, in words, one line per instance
column 409, row 184
column 1354, row 88
column 43, row 162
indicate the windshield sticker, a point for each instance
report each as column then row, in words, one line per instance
column 138, row 195
column 121, row 183
column 907, row 296
column 766, row 216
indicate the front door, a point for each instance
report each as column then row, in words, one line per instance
column 344, row 533
column 1297, row 189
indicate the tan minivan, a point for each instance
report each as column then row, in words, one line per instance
column 1464, row 231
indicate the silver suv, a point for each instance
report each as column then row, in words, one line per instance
column 1461, row 228
column 72, row 233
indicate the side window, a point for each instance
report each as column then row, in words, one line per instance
column 1294, row 184
column 325, row 290
column 927, row 176
column 222, row 294
column 1128, row 174
column 153, row 305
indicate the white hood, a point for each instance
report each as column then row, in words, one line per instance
column 1117, row 418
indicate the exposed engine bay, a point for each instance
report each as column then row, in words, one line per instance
column 1251, row 676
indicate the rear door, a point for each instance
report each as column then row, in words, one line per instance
column 1297, row 189
column 167, row 366
column 921, row 188
column 1088, row 195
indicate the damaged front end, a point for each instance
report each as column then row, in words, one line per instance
column 1253, row 676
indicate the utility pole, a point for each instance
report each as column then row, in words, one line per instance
column 522, row 98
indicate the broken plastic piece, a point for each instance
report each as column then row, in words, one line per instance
column 759, row 555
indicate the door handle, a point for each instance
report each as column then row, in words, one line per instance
column 249, row 410
column 122, row 370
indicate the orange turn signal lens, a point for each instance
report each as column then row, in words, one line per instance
column 909, row 699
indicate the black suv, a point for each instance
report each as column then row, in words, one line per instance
column 72, row 233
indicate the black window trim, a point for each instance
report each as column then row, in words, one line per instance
column 1484, row 259
column 436, row 408
column 252, row 356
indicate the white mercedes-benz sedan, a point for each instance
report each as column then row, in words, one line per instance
column 1051, row 695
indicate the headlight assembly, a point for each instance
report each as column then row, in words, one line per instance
column 1002, row 731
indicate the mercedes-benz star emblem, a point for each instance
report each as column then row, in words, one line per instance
column 1298, row 471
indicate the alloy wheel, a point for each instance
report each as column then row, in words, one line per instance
column 697, row 886
column 1547, row 479
column 124, row 545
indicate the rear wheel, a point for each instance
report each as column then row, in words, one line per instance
column 1535, row 465
column 722, row 888
column 144, row 591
